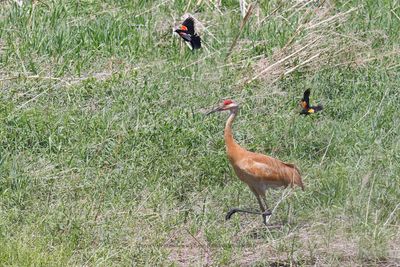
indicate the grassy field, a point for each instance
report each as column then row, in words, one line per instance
column 107, row 159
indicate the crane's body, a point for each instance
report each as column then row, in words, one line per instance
column 258, row 171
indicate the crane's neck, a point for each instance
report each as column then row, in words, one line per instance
column 232, row 148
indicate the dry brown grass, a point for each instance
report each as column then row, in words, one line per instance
column 304, row 245
column 318, row 42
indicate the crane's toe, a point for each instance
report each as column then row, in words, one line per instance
column 230, row 213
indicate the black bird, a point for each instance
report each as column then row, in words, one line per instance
column 305, row 104
column 186, row 31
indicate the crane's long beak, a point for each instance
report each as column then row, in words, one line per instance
column 214, row 110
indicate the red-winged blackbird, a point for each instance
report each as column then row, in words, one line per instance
column 186, row 31
column 305, row 104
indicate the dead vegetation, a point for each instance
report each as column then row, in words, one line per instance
column 305, row 246
column 319, row 41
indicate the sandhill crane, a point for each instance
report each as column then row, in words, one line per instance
column 305, row 104
column 258, row 171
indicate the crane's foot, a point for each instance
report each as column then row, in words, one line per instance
column 234, row 210
column 264, row 214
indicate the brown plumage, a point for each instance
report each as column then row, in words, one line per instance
column 258, row 171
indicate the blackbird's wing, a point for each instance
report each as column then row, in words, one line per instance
column 195, row 42
column 185, row 36
column 189, row 24
column 318, row 108
column 305, row 101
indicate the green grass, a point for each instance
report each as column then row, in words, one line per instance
column 106, row 157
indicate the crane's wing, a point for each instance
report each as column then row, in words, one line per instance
column 189, row 24
column 271, row 170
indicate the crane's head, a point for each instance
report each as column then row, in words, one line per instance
column 228, row 104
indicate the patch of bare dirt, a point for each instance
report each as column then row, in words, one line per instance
column 187, row 249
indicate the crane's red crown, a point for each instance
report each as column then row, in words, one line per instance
column 227, row 102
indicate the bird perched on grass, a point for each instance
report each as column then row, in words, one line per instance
column 305, row 104
column 258, row 171
column 186, row 31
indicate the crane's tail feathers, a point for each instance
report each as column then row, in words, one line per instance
column 296, row 176
column 301, row 185
column 292, row 166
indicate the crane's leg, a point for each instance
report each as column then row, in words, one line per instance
column 264, row 212
column 264, row 209
column 265, row 204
